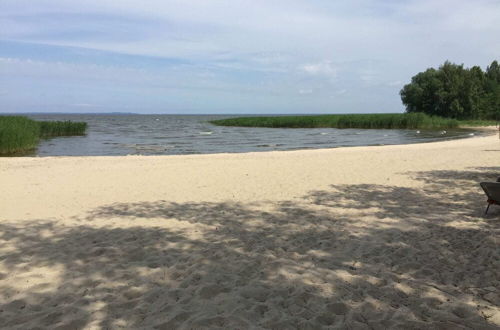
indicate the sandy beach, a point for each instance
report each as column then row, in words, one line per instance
column 388, row 237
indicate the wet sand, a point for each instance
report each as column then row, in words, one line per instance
column 357, row 238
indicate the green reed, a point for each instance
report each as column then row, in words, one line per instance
column 20, row 134
column 380, row 121
column 61, row 128
column 478, row 123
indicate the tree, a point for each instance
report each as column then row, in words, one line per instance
column 419, row 95
column 492, row 91
column 454, row 91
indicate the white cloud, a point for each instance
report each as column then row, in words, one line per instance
column 325, row 68
column 256, row 46
column 204, row 29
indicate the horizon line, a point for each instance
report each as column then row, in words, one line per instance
column 189, row 114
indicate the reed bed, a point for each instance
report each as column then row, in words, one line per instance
column 20, row 134
column 479, row 123
column 374, row 121
column 61, row 128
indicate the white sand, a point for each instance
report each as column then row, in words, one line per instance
column 357, row 238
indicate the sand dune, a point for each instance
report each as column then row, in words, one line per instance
column 388, row 237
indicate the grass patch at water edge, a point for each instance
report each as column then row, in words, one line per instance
column 374, row 121
column 478, row 123
column 61, row 128
column 20, row 134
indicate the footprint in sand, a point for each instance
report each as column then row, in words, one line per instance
column 257, row 293
column 210, row 291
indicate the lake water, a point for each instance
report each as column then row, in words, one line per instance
column 175, row 135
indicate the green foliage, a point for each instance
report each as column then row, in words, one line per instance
column 380, row 121
column 20, row 134
column 61, row 128
column 453, row 91
column 477, row 123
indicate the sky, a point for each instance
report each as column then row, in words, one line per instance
column 229, row 57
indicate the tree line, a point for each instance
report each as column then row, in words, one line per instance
column 455, row 92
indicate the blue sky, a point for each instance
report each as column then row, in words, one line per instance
column 238, row 56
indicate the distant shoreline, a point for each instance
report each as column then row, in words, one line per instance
column 173, row 135
column 488, row 131
column 414, row 120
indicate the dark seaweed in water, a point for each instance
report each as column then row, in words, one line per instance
column 176, row 134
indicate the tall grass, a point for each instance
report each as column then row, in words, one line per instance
column 478, row 123
column 380, row 121
column 61, row 128
column 20, row 134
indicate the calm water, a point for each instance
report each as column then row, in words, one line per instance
column 174, row 135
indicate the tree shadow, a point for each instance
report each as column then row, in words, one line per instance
column 353, row 256
column 444, row 196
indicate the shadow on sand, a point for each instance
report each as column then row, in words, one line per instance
column 354, row 256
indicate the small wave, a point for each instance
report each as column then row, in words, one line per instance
column 205, row 133
column 271, row 145
column 317, row 143
column 148, row 147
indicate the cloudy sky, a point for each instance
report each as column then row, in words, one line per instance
column 232, row 56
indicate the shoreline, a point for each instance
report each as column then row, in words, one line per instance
column 377, row 236
column 487, row 130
